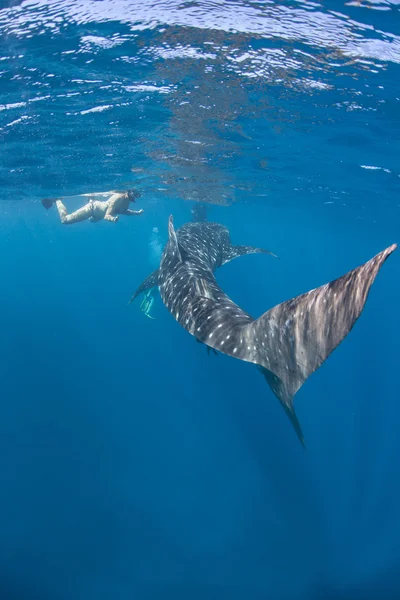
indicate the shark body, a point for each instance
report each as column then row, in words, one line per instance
column 288, row 342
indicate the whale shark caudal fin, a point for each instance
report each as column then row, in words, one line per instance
column 236, row 251
column 294, row 338
column 150, row 282
column 209, row 348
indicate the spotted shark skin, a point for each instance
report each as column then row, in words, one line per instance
column 288, row 342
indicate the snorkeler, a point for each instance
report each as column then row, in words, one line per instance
column 199, row 213
column 98, row 210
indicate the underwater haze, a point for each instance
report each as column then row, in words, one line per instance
column 133, row 465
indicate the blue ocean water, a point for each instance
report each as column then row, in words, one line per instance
column 132, row 464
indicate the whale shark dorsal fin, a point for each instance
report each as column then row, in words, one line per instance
column 173, row 240
column 235, row 251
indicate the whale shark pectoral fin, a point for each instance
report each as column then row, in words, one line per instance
column 294, row 338
column 150, row 282
column 236, row 251
column 173, row 240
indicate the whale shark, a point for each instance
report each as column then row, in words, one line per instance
column 289, row 341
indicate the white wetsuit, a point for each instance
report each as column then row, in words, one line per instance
column 98, row 210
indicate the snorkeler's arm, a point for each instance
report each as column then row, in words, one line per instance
column 132, row 213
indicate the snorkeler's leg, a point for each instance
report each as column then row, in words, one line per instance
column 79, row 215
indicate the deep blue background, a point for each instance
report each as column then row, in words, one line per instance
column 133, row 465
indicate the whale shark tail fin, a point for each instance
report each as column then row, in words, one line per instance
column 150, row 282
column 289, row 408
column 236, row 251
column 294, row 338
